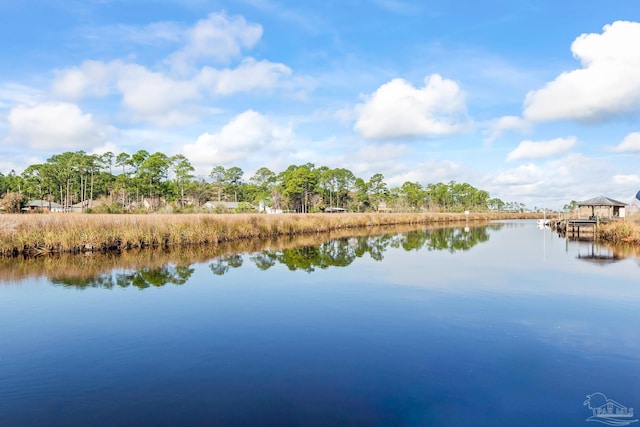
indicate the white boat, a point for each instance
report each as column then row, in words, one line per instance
column 544, row 223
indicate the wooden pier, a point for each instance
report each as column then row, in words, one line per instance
column 577, row 228
column 587, row 226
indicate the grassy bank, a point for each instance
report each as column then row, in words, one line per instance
column 66, row 267
column 76, row 233
column 620, row 231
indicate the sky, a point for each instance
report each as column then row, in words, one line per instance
column 534, row 101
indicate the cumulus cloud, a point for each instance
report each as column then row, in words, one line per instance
column 146, row 95
column 248, row 135
column 163, row 98
column 527, row 150
column 217, row 38
column 92, row 78
column 586, row 176
column 497, row 127
column 431, row 171
column 248, row 76
column 154, row 97
column 626, row 180
column 397, row 109
column 54, row 126
column 630, row 143
column 608, row 83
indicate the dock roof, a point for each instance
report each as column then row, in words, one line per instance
column 601, row 201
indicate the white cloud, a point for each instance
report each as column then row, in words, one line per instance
column 584, row 176
column 13, row 93
column 397, row 109
column 248, row 136
column 217, row 38
column 626, row 180
column 425, row 173
column 54, row 126
column 497, row 127
column 608, row 83
column 630, row 143
column 248, row 76
column 536, row 150
column 154, row 33
column 525, row 175
column 92, row 78
column 154, row 97
column 146, row 95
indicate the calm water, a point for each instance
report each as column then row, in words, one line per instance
column 504, row 325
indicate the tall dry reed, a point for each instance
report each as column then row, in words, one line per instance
column 60, row 233
column 620, row 231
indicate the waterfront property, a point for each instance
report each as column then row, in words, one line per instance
column 601, row 207
column 591, row 213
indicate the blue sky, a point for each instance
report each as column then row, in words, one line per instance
column 534, row 101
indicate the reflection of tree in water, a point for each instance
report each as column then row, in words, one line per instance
column 264, row 260
column 445, row 239
column 333, row 253
column 221, row 265
column 141, row 278
column 339, row 252
column 342, row 252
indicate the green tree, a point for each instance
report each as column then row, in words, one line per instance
column 413, row 194
column 260, row 185
column 153, row 172
column 135, row 161
column 218, row 174
column 297, row 184
column 183, row 171
column 233, row 181
column 571, row 206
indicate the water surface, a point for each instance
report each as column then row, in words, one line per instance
column 504, row 325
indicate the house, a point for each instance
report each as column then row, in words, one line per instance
column 82, row 206
column 601, row 207
column 153, row 203
column 262, row 207
column 383, row 208
column 334, row 210
column 42, row 206
column 221, row 206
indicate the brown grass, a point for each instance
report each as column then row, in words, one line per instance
column 620, row 231
column 66, row 266
column 77, row 233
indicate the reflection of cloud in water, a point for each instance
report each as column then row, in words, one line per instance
column 602, row 334
column 519, row 260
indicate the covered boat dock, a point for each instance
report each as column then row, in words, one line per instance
column 592, row 212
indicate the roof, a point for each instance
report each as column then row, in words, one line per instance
column 43, row 204
column 601, row 201
column 226, row 205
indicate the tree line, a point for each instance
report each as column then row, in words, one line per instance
column 122, row 182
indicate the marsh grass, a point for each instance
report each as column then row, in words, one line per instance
column 22, row 234
column 620, row 231
column 65, row 266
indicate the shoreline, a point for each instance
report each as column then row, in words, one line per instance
column 34, row 235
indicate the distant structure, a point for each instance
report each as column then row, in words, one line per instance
column 42, row 206
column 601, row 207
